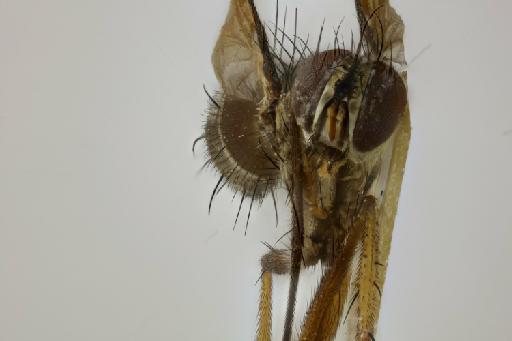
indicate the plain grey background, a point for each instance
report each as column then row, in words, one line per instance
column 104, row 229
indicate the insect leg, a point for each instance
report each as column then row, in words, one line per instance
column 274, row 262
column 264, row 332
column 323, row 316
column 367, row 284
column 328, row 325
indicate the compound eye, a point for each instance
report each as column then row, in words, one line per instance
column 382, row 106
column 237, row 148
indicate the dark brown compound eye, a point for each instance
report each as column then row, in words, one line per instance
column 382, row 106
column 238, row 149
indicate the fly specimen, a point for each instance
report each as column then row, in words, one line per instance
column 330, row 127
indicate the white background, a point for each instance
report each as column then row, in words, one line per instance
column 104, row 229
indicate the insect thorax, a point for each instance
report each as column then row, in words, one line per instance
column 331, row 181
column 330, row 101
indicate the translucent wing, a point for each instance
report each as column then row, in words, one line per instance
column 236, row 58
column 241, row 58
column 242, row 64
column 362, row 305
column 384, row 34
column 384, row 29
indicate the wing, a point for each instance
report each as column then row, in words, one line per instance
column 243, row 65
column 384, row 34
column 362, row 305
column 383, row 29
column 241, row 58
column 361, row 310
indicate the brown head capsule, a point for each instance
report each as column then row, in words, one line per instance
column 311, row 78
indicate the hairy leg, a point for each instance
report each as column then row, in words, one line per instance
column 326, row 325
column 264, row 332
column 274, row 262
column 367, row 284
column 323, row 316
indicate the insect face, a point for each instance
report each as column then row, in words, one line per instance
column 346, row 104
column 321, row 112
